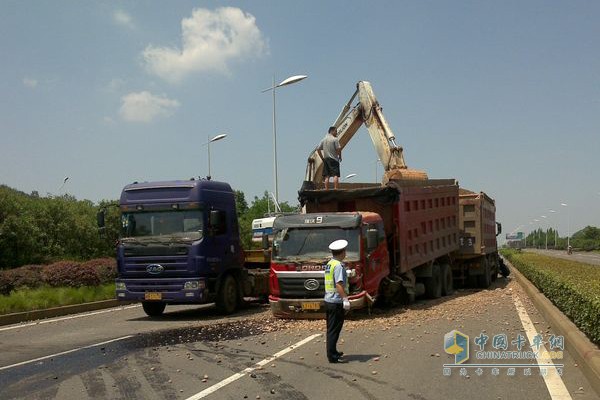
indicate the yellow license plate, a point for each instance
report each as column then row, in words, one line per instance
column 153, row 296
column 311, row 306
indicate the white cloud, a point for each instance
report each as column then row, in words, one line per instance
column 30, row 83
column 210, row 41
column 145, row 107
column 120, row 17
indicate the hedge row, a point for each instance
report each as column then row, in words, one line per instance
column 573, row 287
column 60, row 274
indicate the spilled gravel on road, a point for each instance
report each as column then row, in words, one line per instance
column 464, row 305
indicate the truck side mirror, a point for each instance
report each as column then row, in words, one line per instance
column 100, row 219
column 498, row 228
column 265, row 241
column 371, row 239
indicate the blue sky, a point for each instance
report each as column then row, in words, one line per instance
column 503, row 96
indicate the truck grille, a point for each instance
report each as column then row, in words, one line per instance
column 140, row 251
column 293, row 288
column 170, row 264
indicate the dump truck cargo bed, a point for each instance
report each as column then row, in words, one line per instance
column 420, row 217
column 477, row 224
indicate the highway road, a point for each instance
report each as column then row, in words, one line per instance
column 584, row 257
column 193, row 353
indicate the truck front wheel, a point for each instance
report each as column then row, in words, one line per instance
column 153, row 309
column 227, row 296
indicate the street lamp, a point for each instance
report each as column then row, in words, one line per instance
column 555, row 231
column 207, row 144
column 546, row 220
column 568, row 224
column 536, row 236
column 63, row 184
column 285, row 82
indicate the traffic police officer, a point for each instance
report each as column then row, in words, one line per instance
column 336, row 297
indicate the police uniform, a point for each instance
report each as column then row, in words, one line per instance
column 334, row 303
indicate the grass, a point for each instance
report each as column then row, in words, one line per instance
column 46, row 297
column 572, row 286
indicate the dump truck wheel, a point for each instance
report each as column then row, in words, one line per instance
column 153, row 309
column 447, row 280
column 484, row 281
column 227, row 296
column 433, row 285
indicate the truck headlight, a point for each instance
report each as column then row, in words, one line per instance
column 120, row 286
column 191, row 285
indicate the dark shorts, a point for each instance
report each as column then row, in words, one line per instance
column 331, row 167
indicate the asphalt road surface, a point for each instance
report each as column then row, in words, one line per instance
column 193, row 353
column 584, row 257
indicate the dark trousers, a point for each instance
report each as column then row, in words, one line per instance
column 335, row 321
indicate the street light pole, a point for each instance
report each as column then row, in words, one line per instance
column 208, row 141
column 546, row 219
column 568, row 224
column 288, row 81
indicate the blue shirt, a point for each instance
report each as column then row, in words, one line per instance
column 339, row 276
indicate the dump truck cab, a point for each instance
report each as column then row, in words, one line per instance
column 300, row 254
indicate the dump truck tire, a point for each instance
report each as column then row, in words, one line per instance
column 433, row 284
column 447, row 280
column 484, row 281
column 153, row 309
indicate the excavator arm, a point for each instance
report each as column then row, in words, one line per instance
column 367, row 111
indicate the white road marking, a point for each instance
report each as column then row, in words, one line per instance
column 49, row 320
column 238, row 375
column 65, row 352
column 554, row 383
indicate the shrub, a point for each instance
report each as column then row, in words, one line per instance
column 573, row 287
column 106, row 268
column 6, row 285
column 28, row 276
column 69, row 273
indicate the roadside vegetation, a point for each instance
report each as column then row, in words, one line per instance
column 587, row 239
column 48, row 297
column 573, row 287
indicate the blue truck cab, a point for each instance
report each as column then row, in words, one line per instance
column 180, row 244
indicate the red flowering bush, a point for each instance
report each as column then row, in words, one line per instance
column 6, row 286
column 106, row 268
column 28, row 276
column 69, row 273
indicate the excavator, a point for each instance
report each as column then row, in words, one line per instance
column 367, row 111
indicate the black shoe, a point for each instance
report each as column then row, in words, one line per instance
column 333, row 360
column 339, row 354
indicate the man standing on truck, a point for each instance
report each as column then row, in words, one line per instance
column 330, row 152
column 336, row 297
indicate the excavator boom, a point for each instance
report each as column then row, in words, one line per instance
column 367, row 111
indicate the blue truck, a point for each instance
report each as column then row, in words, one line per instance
column 180, row 244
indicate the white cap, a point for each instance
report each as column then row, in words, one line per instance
column 338, row 245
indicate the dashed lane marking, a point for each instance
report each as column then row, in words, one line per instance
column 248, row 370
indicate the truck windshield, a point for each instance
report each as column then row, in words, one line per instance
column 185, row 225
column 303, row 244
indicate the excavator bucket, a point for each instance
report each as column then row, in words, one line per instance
column 404, row 174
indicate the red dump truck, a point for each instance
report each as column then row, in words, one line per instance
column 404, row 239
column 409, row 236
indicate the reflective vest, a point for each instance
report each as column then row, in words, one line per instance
column 329, row 277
